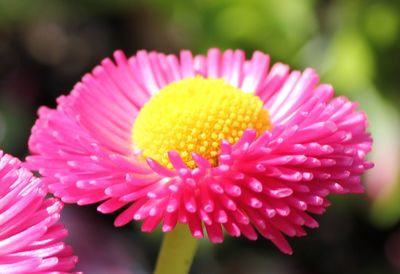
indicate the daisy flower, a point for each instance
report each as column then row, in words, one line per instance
column 30, row 237
column 215, row 142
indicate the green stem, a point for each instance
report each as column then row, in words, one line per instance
column 177, row 252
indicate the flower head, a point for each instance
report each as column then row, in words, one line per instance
column 30, row 238
column 216, row 142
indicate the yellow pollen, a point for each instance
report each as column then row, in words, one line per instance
column 195, row 115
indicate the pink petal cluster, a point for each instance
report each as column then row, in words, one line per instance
column 30, row 238
column 270, row 183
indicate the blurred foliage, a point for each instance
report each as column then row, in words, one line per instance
column 250, row 24
column 47, row 45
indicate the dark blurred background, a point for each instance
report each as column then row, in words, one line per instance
column 47, row 45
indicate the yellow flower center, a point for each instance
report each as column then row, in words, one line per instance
column 195, row 115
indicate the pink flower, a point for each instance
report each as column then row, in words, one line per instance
column 160, row 137
column 30, row 238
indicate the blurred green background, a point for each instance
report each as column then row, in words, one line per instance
column 47, row 45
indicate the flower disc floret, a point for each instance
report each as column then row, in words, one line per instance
column 193, row 116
